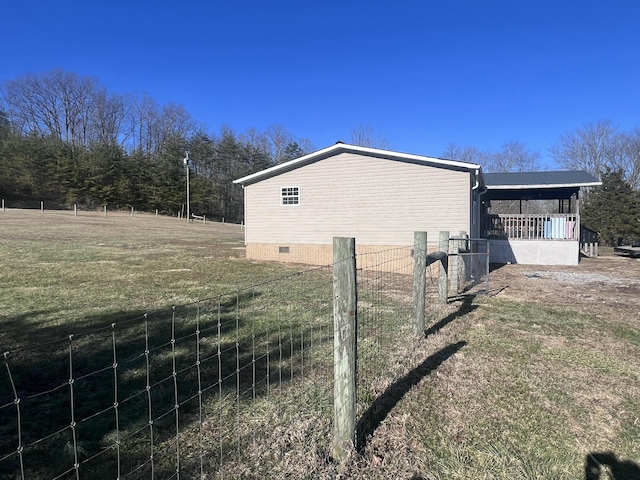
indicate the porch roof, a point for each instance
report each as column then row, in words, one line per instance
column 537, row 185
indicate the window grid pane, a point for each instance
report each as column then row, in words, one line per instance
column 290, row 195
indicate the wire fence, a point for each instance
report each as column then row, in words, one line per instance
column 469, row 265
column 220, row 386
column 241, row 385
column 385, row 330
column 53, row 208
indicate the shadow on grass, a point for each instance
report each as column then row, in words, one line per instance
column 90, row 392
column 380, row 408
column 602, row 466
column 14, row 327
column 466, row 306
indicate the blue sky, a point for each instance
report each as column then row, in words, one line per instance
column 423, row 73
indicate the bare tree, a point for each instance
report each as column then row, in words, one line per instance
column 306, row 145
column 631, row 148
column 57, row 103
column 144, row 116
column 279, row 139
column 594, row 148
column 466, row 154
column 514, row 156
column 256, row 139
column 108, row 120
column 366, row 136
column 276, row 141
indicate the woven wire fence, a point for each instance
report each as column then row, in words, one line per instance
column 237, row 386
column 385, row 285
column 386, row 337
column 220, row 388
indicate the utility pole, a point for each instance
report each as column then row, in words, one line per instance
column 186, row 164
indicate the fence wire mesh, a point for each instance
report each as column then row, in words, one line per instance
column 242, row 385
column 385, row 330
column 217, row 388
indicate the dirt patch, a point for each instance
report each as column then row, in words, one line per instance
column 606, row 287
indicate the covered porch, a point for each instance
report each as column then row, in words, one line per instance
column 534, row 218
column 536, row 226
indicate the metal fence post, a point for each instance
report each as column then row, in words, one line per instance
column 454, row 265
column 443, row 280
column 488, row 267
column 465, row 262
column 344, row 346
column 419, row 280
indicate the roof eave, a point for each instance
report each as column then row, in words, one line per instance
column 544, row 185
column 283, row 166
column 272, row 171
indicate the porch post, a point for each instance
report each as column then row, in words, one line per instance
column 578, row 223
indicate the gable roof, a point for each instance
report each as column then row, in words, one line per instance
column 346, row 148
column 528, row 180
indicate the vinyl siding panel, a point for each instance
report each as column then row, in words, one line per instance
column 378, row 201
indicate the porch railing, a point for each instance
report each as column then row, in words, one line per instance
column 557, row 226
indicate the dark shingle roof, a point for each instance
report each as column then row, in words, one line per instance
column 540, row 179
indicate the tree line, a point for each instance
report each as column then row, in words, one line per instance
column 597, row 148
column 65, row 139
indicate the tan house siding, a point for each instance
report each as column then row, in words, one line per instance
column 378, row 201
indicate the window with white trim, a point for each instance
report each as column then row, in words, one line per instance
column 290, row 196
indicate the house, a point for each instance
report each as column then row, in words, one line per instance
column 380, row 197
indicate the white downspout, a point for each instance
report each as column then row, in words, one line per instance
column 244, row 216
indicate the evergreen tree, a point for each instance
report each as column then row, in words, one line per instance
column 292, row 152
column 613, row 210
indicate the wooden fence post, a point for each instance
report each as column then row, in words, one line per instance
column 443, row 280
column 419, row 280
column 344, row 346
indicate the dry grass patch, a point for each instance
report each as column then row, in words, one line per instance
column 526, row 383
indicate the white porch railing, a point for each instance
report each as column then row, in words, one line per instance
column 557, row 226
